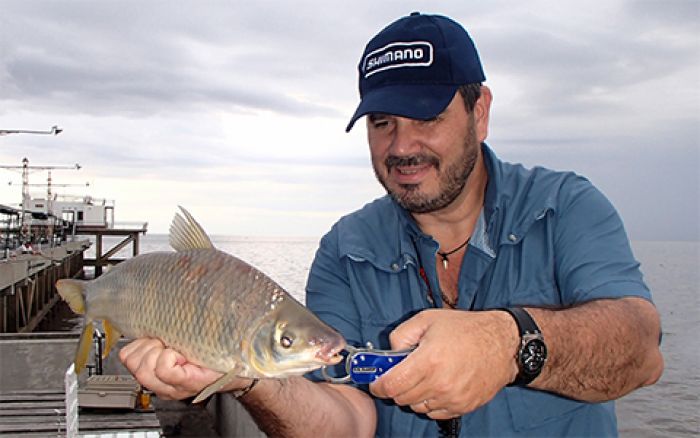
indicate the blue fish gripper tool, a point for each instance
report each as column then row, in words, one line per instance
column 365, row 365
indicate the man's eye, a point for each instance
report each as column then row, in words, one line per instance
column 378, row 121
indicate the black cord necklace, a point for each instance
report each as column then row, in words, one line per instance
column 445, row 255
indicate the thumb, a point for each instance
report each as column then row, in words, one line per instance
column 174, row 369
column 410, row 332
column 169, row 366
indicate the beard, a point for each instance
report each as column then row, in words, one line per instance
column 452, row 177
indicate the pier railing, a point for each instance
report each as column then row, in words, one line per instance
column 27, row 291
column 130, row 232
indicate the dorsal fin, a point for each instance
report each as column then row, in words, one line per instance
column 186, row 233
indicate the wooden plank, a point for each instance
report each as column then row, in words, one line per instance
column 36, row 319
column 91, row 417
column 118, row 247
column 38, row 434
column 125, row 425
column 93, row 262
column 133, row 418
column 15, row 428
column 34, row 405
column 97, row 422
column 34, row 391
column 32, row 419
column 4, row 398
column 25, row 413
column 42, row 411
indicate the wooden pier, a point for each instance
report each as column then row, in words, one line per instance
column 42, row 413
column 32, row 401
column 27, row 282
column 33, row 391
column 27, row 291
column 131, row 235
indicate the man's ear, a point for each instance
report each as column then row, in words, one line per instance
column 482, row 109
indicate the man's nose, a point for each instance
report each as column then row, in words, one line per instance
column 406, row 139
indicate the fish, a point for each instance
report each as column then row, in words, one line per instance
column 214, row 308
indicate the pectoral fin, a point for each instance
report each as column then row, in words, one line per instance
column 220, row 383
column 84, row 346
column 112, row 336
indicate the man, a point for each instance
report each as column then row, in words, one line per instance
column 516, row 287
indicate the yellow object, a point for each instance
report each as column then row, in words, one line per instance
column 145, row 400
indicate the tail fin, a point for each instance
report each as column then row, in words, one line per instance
column 73, row 293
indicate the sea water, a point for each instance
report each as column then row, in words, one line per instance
column 669, row 408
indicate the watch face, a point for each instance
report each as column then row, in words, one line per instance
column 532, row 356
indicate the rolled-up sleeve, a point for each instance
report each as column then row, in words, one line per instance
column 593, row 255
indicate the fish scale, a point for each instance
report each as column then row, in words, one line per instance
column 214, row 308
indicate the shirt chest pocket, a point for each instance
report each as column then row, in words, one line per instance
column 384, row 297
column 526, row 270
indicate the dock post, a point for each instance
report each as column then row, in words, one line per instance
column 98, row 255
column 97, row 335
column 71, row 385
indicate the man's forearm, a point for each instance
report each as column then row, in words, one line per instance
column 600, row 350
column 297, row 407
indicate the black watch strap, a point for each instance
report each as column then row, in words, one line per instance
column 529, row 333
column 523, row 319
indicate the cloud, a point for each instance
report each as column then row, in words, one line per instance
column 139, row 59
column 239, row 108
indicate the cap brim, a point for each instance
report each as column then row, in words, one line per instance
column 422, row 102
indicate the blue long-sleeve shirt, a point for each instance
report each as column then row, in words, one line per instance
column 544, row 238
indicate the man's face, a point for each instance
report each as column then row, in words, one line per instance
column 424, row 165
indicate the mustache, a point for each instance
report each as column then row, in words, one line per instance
column 411, row 160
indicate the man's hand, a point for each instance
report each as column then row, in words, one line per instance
column 168, row 373
column 286, row 407
column 462, row 360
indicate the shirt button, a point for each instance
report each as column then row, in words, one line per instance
column 512, row 237
column 395, row 267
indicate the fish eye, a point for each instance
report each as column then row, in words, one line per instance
column 286, row 341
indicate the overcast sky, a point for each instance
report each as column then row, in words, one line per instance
column 236, row 109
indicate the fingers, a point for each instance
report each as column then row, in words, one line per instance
column 407, row 382
column 405, row 377
column 163, row 370
column 422, row 407
column 410, row 332
column 140, row 355
column 448, row 367
column 441, row 414
column 436, row 413
column 168, row 366
column 137, row 347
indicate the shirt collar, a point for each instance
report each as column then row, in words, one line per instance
column 497, row 223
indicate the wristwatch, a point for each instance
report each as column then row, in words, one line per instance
column 532, row 352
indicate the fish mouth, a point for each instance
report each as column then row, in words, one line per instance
column 335, row 359
column 329, row 353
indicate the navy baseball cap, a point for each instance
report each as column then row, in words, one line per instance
column 414, row 66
